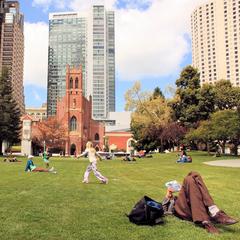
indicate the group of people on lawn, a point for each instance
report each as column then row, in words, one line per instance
column 194, row 203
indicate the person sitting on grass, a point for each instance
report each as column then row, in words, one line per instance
column 194, row 203
column 14, row 159
column 30, row 167
column 184, row 158
column 129, row 158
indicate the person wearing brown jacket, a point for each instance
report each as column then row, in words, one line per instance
column 194, row 203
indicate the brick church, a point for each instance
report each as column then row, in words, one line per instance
column 75, row 111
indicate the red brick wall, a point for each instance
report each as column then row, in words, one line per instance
column 75, row 104
column 119, row 139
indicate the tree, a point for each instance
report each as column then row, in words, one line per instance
column 226, row 96
column 191, row 104
column 173, row 133
column 157, row 93
column 149, row 117
column 50, row 131
column 223, row 126
column 134, row 97
column 206, row 102
column 202, row 134
column 10, row 114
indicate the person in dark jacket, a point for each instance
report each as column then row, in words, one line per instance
column 194, row 203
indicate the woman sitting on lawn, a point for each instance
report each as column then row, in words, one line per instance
column 30, row 167
column 194, row 203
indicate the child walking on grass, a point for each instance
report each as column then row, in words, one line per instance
column 92, row 156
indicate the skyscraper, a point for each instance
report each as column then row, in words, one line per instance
column 67, row 45
column 87, row 39
column 215, row 40
column 12, row 47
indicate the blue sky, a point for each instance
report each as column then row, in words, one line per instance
column 152, row 52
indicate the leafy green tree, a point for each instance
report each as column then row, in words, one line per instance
column 192, row 103
column 10, row 114
column 223, row 126
column 206, row 102
column 203, row 134
column 226, row 96
column 157, row 93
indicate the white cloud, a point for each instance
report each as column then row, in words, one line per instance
column 137, row 4
column 153, row 42
column 150, row 42
column 78, row 5
column 46, row 4
column 36, row 53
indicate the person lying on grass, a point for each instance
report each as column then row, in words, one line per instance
column 30, row 167
column 194, row 203
column 11, row 160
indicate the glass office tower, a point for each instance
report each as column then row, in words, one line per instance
column 67, row 45
column 88, row 39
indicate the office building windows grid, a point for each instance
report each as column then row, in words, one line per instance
column 211, row 46
column 67, row 45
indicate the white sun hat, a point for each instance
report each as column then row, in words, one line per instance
column 30, row 156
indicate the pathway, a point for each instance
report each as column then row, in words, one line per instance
column 225, row 163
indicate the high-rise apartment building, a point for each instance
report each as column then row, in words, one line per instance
column 87, row 39
column 216, row 41
column 12, row 47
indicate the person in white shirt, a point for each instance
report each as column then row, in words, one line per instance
column 92, row 156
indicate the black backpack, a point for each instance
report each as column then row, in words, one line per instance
column 146, row 212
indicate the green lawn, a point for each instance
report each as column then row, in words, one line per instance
column 43, row 206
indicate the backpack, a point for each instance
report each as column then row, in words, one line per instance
column 146, row 212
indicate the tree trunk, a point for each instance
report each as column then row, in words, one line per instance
column 223, row 146
column 0, row 147
column 161, row 141
column 208, row 148
column 235, row 149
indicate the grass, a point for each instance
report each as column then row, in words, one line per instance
column 44, row 206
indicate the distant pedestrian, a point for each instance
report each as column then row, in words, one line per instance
column 92, row 156
column 46, row 159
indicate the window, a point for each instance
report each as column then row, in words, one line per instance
column 76, row 83
column 73, row 124
column 71, row 83
column 96, row 138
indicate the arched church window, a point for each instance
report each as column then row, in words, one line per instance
column 76, row 83
column 71, row 83
column 73, row 124
column 96, row 138
column 74, row 103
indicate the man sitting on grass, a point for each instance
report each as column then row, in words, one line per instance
column 194, row 203
column 30, row 167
